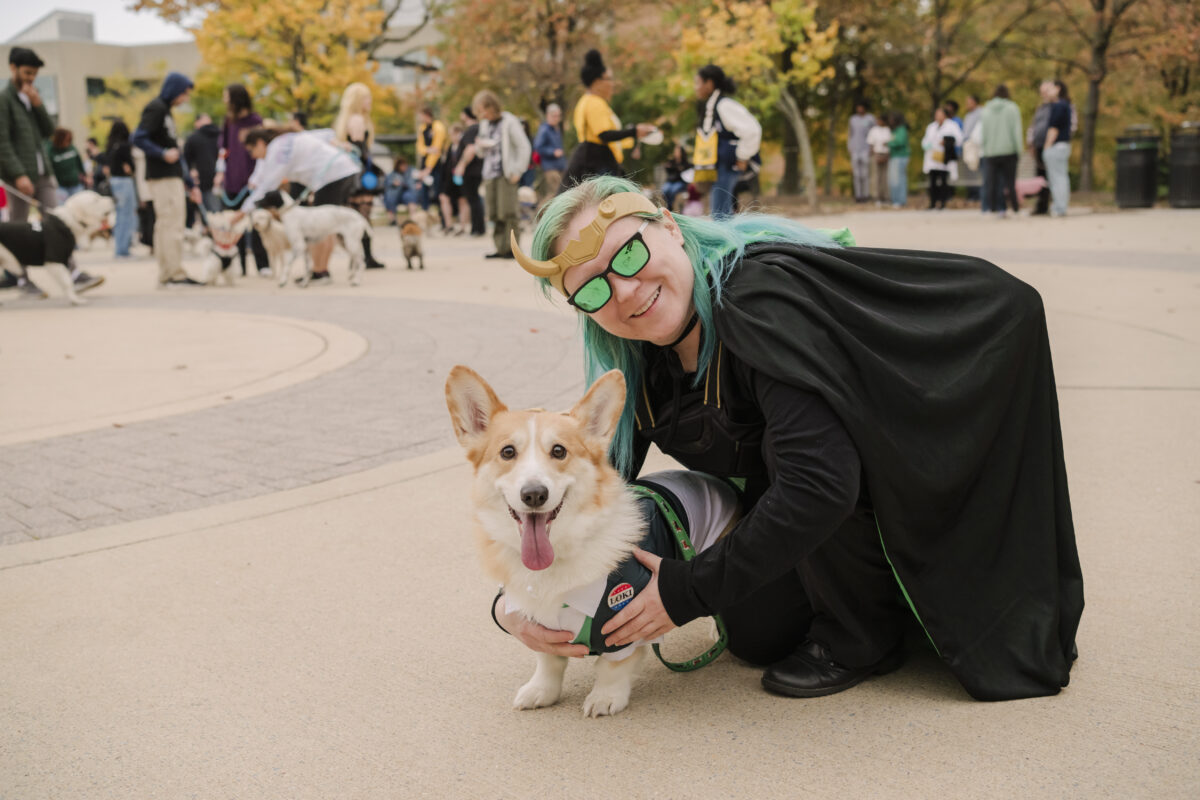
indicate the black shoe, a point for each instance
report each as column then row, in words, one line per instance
column 499, row 255
column 811, row 672
column 7, row 280
column 376, row 265
column 183, row 282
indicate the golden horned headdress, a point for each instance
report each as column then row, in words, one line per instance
column 587, row 244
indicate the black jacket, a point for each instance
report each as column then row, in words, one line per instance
column 200, row 151
column 934, row 370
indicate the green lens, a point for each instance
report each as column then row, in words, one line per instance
column 630, row 259
column 593, row 294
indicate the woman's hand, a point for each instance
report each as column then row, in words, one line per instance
column 644, row 129
column 644, row 618
column 537, row 637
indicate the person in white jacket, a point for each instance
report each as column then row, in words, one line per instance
column 310, row 158
column 940, row 162
column 738, row 134
column 505, row 150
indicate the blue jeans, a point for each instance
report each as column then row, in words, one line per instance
column 66, row 191
column 722, row 191
column 125, row 196
column 898, row 179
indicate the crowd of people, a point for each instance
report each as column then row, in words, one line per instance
column 487, row 166
column 980, row 150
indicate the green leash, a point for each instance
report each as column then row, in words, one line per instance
column 685, row 548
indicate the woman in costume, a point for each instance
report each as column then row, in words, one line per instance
column 890, row 417
column 354, row 130
column 602, row 140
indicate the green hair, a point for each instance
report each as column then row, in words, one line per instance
column 714, row 247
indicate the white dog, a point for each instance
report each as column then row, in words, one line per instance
column 306, row 225
column 51, row 242
column 225, row 228
column 273, row 236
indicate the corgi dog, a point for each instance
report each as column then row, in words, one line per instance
column 410, row 238
column 555, row 522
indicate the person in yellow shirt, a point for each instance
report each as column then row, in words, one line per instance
column 432, row 141
column 602, row 140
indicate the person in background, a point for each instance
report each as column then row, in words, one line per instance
column 310, row 158
column 602, row 140
column 24, row 161
column 1035, row 140
column 67, row 164
column 469, row 168
column 877, row 140
column 1000, row 146
column 450, row 196
column 898, row 154
column 548, row 145
column 354, row 130
column 940, row 144
column 201, row 151
column 397, row 187
column 235, row 165
column 167, row 177
column 94, row 163
column 674, row 185
column 738, row 136
column 861, row 122
column 1056, row 153
column 506, row 152
column 970, row 177
column 431, row 150
column 119, row 170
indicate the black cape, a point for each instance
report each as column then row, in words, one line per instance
column 939, row 367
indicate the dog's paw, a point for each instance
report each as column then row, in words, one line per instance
column 604, row 702
column 536, row 695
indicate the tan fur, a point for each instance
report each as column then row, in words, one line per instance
column 597, row 522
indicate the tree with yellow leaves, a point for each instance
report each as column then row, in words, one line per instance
column 294, row 55
column 773, row 49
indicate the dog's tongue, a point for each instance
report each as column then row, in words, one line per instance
column 536, row 551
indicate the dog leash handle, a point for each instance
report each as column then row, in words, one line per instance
column 687, row 552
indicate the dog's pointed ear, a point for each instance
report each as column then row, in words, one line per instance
column 600, row 409
column 472, row 405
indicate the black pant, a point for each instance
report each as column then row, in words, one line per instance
column 1043, row 201
column 843, row 595
column 470, row 190
column 1001, row 181
column 252, row 240
column 939, row 188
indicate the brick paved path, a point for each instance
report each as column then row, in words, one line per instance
column 384, row 407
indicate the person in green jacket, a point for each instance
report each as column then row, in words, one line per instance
column 898, row 155
column 67, row 164
column 1000, row 129
column 25, row 162
column 24, row 128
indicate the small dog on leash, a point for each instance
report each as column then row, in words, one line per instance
column 410, row 240
column 305, row 225
column 51, row 242
column 556, row 525
column 225, row 229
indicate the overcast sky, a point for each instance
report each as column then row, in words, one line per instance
column 114, row 25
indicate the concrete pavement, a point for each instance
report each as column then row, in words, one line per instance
column 275, row 594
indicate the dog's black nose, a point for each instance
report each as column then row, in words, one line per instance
column 534, row 495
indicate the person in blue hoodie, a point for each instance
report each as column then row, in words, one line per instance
column 167, row 176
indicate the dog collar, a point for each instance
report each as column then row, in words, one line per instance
column 585, row 247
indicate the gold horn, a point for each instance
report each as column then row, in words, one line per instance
column 589, row 240
column 540, row 269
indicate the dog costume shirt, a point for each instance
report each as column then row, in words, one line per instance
column 36, row 243
column 705, row 506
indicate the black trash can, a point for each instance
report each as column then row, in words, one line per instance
column 1185, row 166
column 1137, row 167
